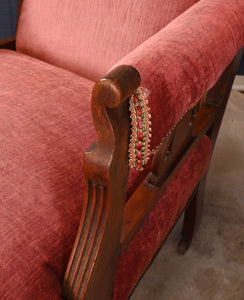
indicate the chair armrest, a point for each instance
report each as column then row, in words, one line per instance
column 106, row 172
column 185, row 59
column 8, row 43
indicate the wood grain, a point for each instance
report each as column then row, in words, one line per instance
column 91, row 269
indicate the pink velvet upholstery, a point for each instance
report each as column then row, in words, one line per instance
column 194, row 48
column 185, row 59
column 45, row 128
column 57, row 31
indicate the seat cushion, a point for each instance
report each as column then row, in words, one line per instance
column 45, row 127
column 89, row 37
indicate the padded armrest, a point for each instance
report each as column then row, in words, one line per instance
column 185, row 59
column 8, row 43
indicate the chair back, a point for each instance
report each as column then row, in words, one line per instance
column 88, row 37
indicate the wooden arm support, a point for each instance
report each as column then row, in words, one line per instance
column 91, row 269
column 8, row 43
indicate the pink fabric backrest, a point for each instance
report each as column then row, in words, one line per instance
column 88, row 37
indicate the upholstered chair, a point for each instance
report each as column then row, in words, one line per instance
column 109, row 114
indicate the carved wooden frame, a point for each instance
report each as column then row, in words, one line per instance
column 96, row 249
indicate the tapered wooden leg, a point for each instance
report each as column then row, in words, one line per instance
column 192, row 217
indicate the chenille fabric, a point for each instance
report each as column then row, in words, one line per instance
column 185, row 59
column 88, row 37
column 45, row 127
column 177, row 64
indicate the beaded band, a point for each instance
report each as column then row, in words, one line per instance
column 139, row 148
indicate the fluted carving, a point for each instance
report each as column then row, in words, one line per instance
column 90, row 232
column 92, row 265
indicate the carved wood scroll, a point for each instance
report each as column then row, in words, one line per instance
column 91, row 269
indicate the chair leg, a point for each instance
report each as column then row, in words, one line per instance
column 192, row 217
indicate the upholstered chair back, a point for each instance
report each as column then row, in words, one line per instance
column 89, row 36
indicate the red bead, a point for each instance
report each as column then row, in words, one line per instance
column 136, row 98
column 138, row 147
column 140, row 136
column 139, row 112
column 138, row 155
column 138, row 165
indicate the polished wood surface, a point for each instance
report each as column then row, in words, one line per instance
column 91, row 269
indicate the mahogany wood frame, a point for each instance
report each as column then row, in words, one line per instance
column 96, row 248
column 107, row 224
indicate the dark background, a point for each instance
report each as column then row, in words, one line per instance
column 8, row 12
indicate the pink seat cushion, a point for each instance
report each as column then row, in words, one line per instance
column 88, row 37
column 45, row 127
